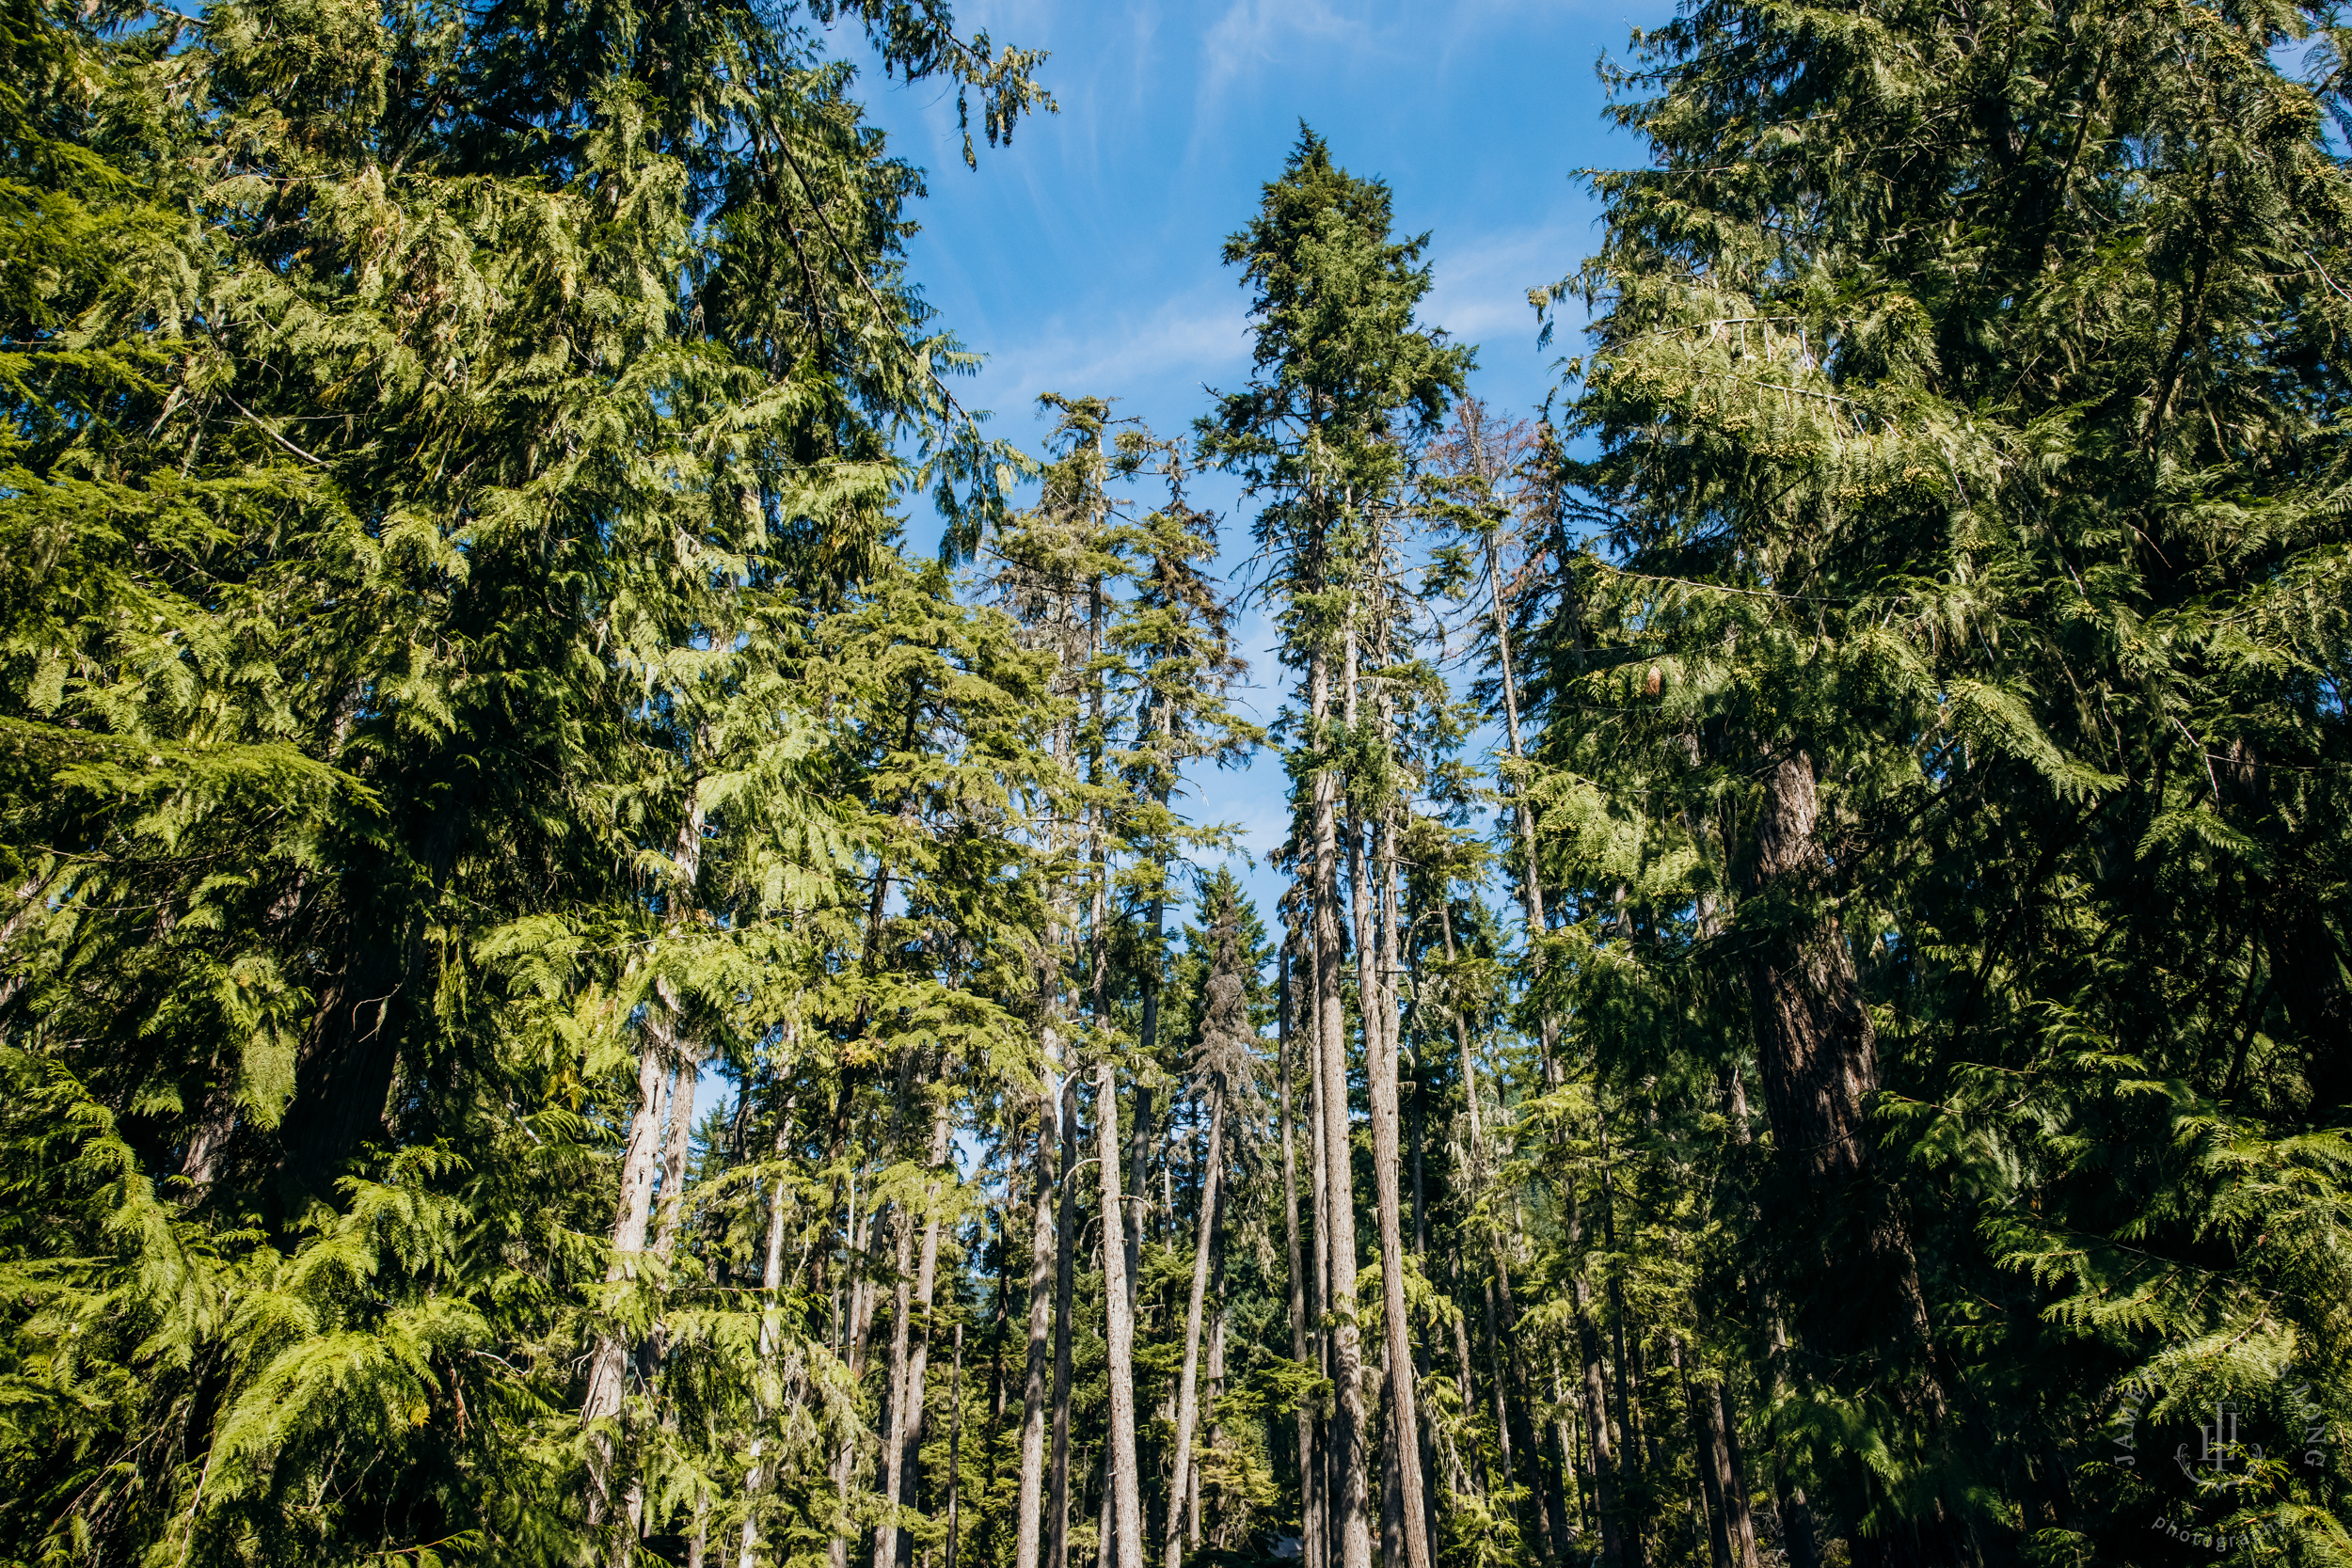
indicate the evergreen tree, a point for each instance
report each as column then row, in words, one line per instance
column 1964, row 612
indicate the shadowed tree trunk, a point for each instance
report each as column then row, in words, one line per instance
column 1818, row 1056
column 1616, row 1551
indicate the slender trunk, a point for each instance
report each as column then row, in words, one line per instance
column 907, row 1406
column 1106, row 1521
column 1616, row 1551
column 865, row 1291
column 771, row 1336
column 1506, row 1438
column 955, row 1447
column 1337, row 1213
column 1628, row 1411
column 1139, row 1139
column 639, row 1162
column 1530, row 882
column 1028, row 1508
column 660, row 1060
column 1392, row 1468
column 1469, row 1384
column 1707, row 1453
column 1374, row 951
column 1562, row 1447
column 678, row 1145
column 894, row 1412
column 1796, row 1517
column 1065, row 1292
column 1309, row 1493
column 1118, row 1335
column 1739, row 1513
column 1521, row 1401
column 1187, row 1402
column 1461, row 1043
column 1714, row 1460
column 1216, row 1395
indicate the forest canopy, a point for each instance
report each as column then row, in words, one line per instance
column 1807, row 1017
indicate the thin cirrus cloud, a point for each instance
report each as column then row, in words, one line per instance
column 1084, row 258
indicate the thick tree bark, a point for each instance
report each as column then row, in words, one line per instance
column 1118, row 1335
column 1818, row 1056
column 1187, row 1383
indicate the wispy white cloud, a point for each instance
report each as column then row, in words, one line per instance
column 1256, row 33
column 1181, row 341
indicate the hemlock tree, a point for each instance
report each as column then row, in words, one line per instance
column 1958, row 677
column 1339, row 367
column 419, row 425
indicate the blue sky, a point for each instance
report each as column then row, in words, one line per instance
column 1083, row 258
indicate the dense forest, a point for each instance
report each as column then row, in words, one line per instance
column 1809, row 1020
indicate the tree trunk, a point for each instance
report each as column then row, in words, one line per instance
column 1118, row 1333
column 904, row 1443
column 1065, row 1292
column 1521, row 1403
column 1707, row 1453
column 1319, row 1301
column 1375, row 952
column 639, row 1162
column 1187, row 1384
column 1506, row 1437
column 771, row 1330
column 1616, row 1551
column 1350, row 1520
column 1530, row 881
column 1739, row 1512
column 1796, row 1518
column 955, row 1447
column 1818, row 1056
column 1028, row 1509
column 680, row 1144
column 1310, row 1495
column 658, row 1060
column 1393, row 1469
column 1469, row 1386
